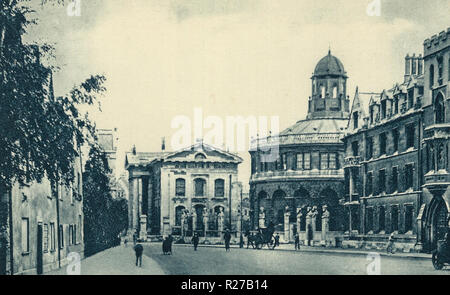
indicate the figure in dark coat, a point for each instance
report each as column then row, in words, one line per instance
column 195, row 240
column 138, row 249
column 227, row 238
column 297, row 242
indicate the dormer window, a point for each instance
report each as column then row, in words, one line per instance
column 396, row 105
column 383, row 109
column 410, row 98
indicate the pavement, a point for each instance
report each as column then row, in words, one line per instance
column 115, row 261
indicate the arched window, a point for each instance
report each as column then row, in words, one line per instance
column 322, row 91
column 178, row 213
column 431, row 76
column 219, row 188
column 439, row 109
column 200, row 156
column 335, row 91
column 200, row 185
column 180, row 187
column 355, row 120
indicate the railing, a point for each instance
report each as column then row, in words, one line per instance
column 298, row 138
column 353, row 161
column 298, row 173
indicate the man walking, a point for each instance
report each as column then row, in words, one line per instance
column 297, row 242
column 195, row 240
column 138, row 249
column 227, row 238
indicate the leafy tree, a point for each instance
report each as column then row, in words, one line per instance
column 104, row 217
column 40, row 134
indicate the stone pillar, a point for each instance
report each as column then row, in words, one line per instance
column 183, row 220
column 262, row 217
column 325, row 224
column 308, row 226
column 220, row 221
column 205, row 224
column 194, row 220
column 287, row 214
column 299, row 219
column 143, row 228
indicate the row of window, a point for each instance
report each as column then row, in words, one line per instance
column 372, row 215
column 302, row 161
column 381, row 186
column 382, row 141
column 200, row 187
column 49, row 235
column 440, row 72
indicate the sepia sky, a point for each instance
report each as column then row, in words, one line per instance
column 163, row 58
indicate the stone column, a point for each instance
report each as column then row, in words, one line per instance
column 183, row 220
column 287, row 214
column 299, row 219
column 325, row 224
column 205, row 224
column 142, row 219
column 308, row 226
column 262, row 217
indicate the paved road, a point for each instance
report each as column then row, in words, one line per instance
column 215, row 261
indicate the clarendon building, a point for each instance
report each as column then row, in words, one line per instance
column 181, row 192
column 396, row 156
column 297, row 176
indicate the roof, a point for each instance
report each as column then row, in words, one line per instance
column 213, row 154
column 318, row 125
column 329, row 65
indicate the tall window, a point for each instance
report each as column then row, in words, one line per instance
column 52, row 237
column 439, row 109
column 409, row 218
column 382, row 144
column 394, row 218
column 70, row 234
column 324, row 161
column 45, row 238
column 355, row 120
column 410, row 134
column 61, row 236
column 395, row 137
column 178, row 214
column 369, row 189
column 307, row 161
column 394, row 179
column 369, row 148
column 410, row 98
column 355, row 148
column 382, row 219
column 180, row 187
column 409, row 176
column 25, row 235
column 332, row 164
column 382, row 181
column 396, row 105
column 431, row 76
column 299, row 161
column 284, row 161
column 199, row 187
column 369, row 219
column 440, row 61
column 219, row 188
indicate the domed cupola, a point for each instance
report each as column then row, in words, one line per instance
column 330, row 65
column 329, row 89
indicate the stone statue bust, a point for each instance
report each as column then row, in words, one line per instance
column 325, row 212
column 262, row 214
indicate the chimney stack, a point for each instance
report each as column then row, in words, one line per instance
column 420, row 65
column 407, row 65
column 414, row 65
column 163, row 144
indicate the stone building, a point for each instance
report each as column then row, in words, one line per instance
column 397, row 156
column 44, row 225
column 183, row 191
column 382, row 169
column 299, row 189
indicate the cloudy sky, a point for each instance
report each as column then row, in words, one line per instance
column 163, row 58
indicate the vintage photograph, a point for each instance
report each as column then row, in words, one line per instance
column 224, row 137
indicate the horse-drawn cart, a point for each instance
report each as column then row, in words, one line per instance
column 264, row 236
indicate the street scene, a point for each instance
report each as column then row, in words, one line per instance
column 215, row 137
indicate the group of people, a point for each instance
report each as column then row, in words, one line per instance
column 226, row 237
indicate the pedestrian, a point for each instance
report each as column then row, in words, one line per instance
column 195, row 240
column 297, row 242
column 390, row 245
column 227, row 238
column 125, row 242
column 138, row 249
column 277, row 240
column 169, row 243
column 134, row 238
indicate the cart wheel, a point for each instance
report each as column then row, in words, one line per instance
column 436, row 263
